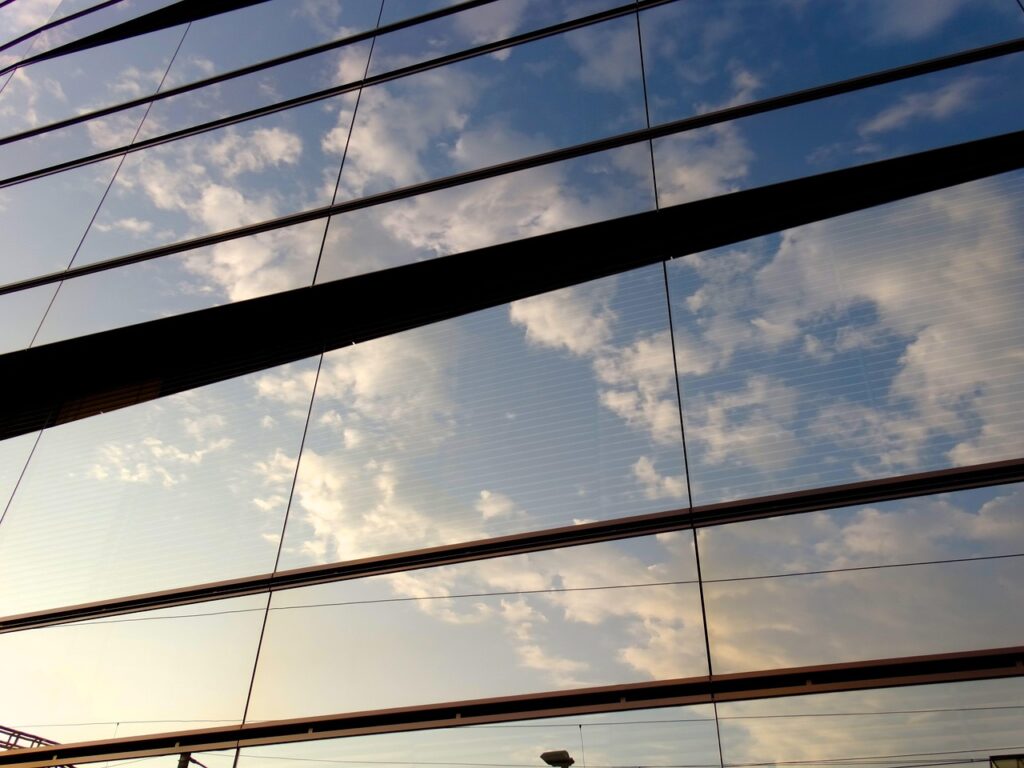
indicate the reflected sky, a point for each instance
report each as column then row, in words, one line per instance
column 133, row 674
column 184, row 489
column 498, row 422
column 512, row 625
column 872, row 345
column 878, row 343
column 885, row 589
column 555, row 92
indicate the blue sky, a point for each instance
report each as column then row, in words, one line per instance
column 881, row 343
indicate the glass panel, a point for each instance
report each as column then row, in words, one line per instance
column 220, row 180
column 517, row 205
column 172, row 285
column 878, row 343
column 180, row 490
column 470, row 28
column 937, row 110
column 825, row 587
column 644, row 737
column 20, row 316
column 490, row 109
column 951, row 724
column 264, row 31
column 167, row 670
column 270, row 86
column 23, row 17
column 14, row 454
column 547, row 412
column 36, row 239
column 64, row 86
column 67, row 144
column 550, row 620
column 704, row 56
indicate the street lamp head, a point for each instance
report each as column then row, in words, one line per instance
column 557, row 758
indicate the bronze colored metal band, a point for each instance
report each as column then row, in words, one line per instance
column 942, row 481
column 847, row 676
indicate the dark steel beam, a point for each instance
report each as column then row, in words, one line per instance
column 136, row 363
column 848, row 676
column 872, row 491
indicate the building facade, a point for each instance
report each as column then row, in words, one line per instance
column 414, row 383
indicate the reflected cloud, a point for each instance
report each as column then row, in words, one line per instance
column 898, row 330
column 939, row 104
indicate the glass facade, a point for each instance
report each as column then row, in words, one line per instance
column 608, row 512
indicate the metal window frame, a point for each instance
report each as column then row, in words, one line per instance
column 987, row 664
column 724, row 513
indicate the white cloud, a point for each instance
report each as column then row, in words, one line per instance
column 700, row 164
column 576, row 319
column 938, row 274
column 396, row 126
column 891, row 20
column 491, row 505
column 130, row 224
column 657, row 486
column 750, row 425
column 935, row 105
column 238, row 152
column 609, row 55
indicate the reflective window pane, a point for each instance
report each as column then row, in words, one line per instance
column 546, row 412
column 469, row 28
column 262, row 31
column 952, row 724
column 67, row 144
column 548, row 620
column 37, row 240
column 235, row 270
column 259, row 89
column 517, row 205
column 222, row 179
column 704, row 56
column 23, row 18
column 915, row 115
column 66, row 85
column 20, row 316
column 905, row 578
column 14, row 453
column 165, row 670
column 878, row 343
column 491, row 109
column 180, row 490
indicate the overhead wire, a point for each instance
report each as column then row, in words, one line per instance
column 551, row 590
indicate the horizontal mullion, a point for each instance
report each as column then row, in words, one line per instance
column 725, row 513
column 181, row 352
column 987, row 664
